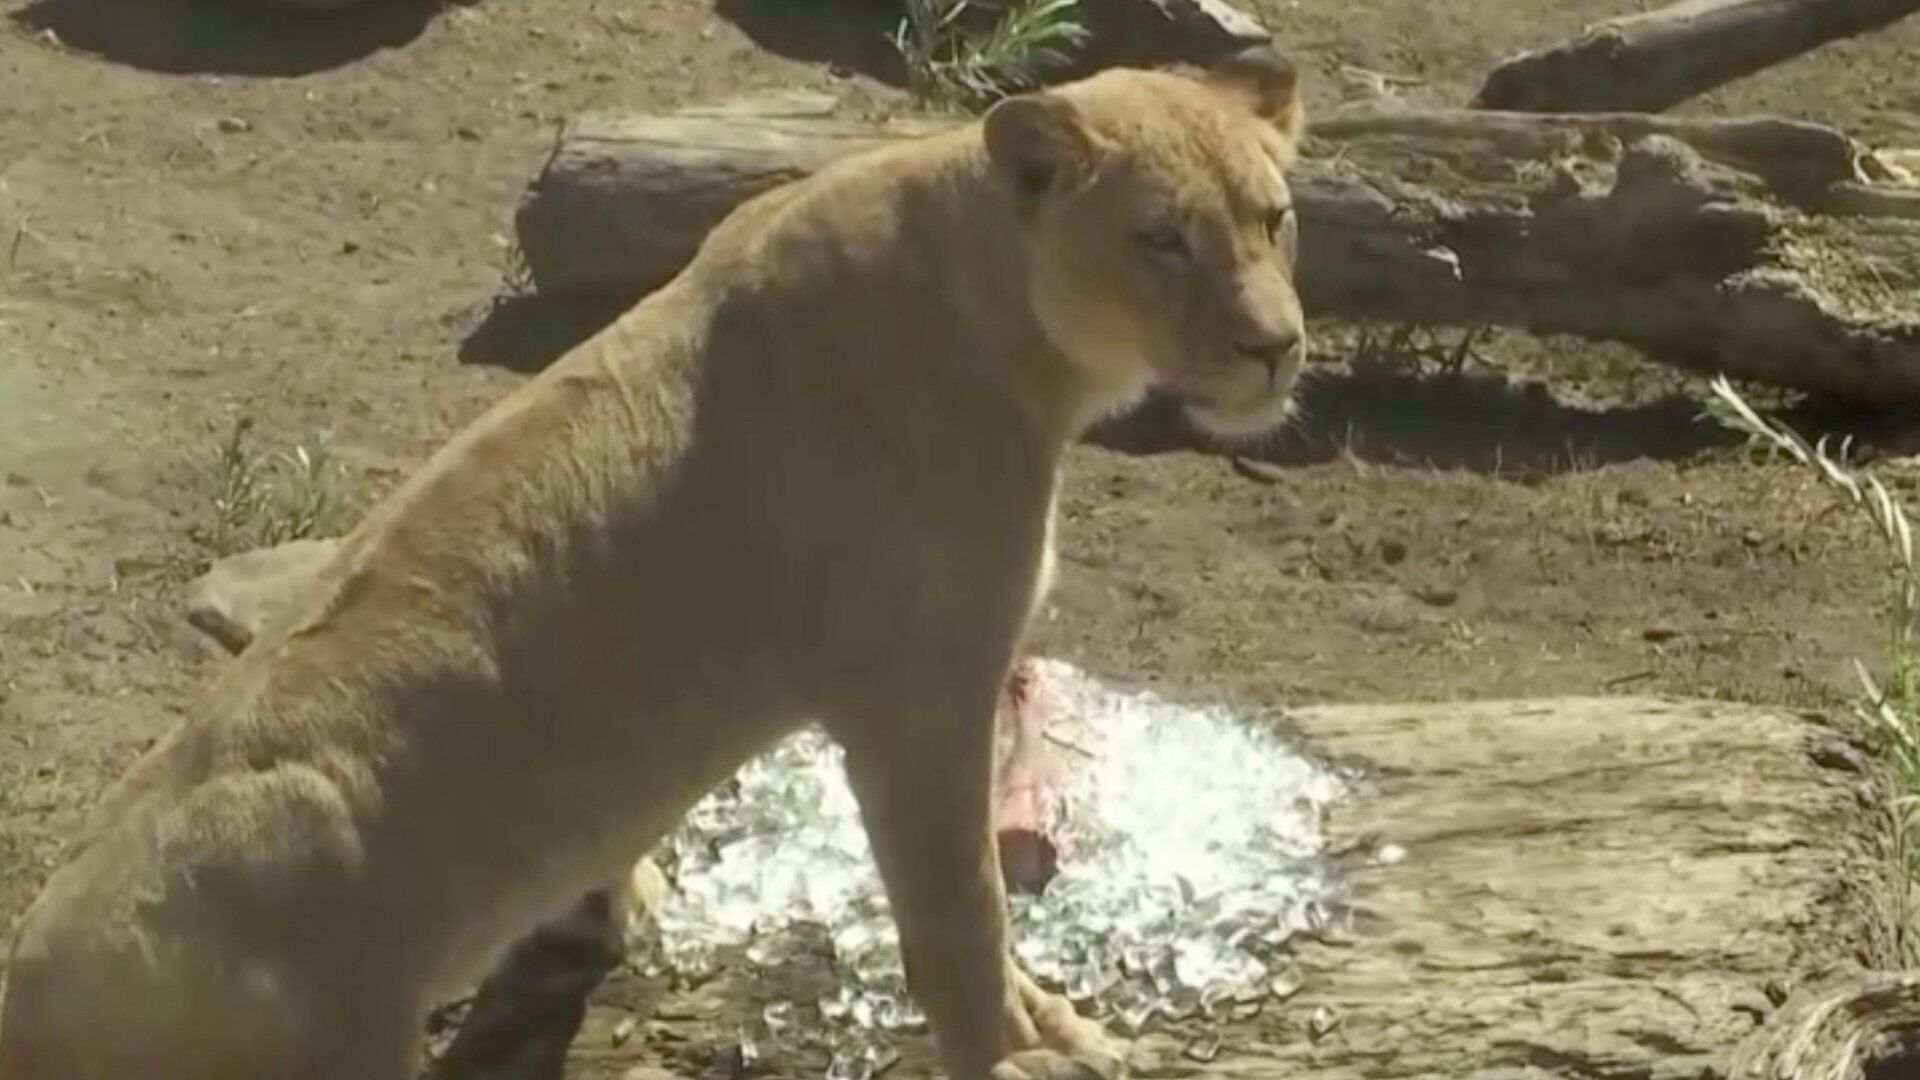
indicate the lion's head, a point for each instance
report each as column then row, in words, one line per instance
column 1161, row 232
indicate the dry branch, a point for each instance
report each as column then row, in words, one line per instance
column 1706, row 243
column 1658, row 59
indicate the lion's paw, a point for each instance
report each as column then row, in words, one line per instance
column 1069, row 1046
column 1054, row 1065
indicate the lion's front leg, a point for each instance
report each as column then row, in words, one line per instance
column 925, row 793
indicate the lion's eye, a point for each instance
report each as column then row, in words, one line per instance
column 1163, row 240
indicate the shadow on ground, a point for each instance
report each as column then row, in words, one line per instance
column 853, row 35
column 1475, row 421
column 231, row 37
column 1375, row 412
column 526, row 332
column 849, row 34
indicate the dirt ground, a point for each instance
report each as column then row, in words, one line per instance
column 206, row 214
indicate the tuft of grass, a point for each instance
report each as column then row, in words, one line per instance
column 961, row 56
column 1890, row 704
column 517, row 278
column 1420, row 348
column 261, row 500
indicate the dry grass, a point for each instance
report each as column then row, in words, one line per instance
column 1890, row 702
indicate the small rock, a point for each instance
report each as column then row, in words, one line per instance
column 1204, row 1048
column 1658, row 634
column 1437, row 595
column 467, row 133
column 1284, row 985
column 127, row 566
column 1323, row 1021
column 241, row 593
column 1264, row 472
column 1386, row 614
column 233, row 125
column 659, row 1034
column 19, row 480
column 1139, row 32
column 1393, row 552
column 1153, row 1054
column 689, row 1009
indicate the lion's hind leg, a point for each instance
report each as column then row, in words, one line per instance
column 62, row 1021
column 83, row 1004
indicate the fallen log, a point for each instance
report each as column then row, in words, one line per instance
column 1657, row 59
column 1555, row 888
column 657, row 184
column 1733, row 246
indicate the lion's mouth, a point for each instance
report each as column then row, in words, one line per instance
column 1240, row 422
column 1243, row 412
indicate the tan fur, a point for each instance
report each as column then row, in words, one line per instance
column 808, row 480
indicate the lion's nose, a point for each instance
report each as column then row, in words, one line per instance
column 1270, row 348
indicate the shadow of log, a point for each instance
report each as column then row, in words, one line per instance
column 1482, row 423
column 1479, row 422
column 230, row 37
column 526, row 333
column 848, row 34
column 853, row 34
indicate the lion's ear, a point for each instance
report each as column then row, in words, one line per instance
column 1039, row 141
column 1265, row 80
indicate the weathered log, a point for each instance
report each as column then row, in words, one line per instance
column 1601, row 887
column 1731, row 246
column 653, row 186
column 1657, row 59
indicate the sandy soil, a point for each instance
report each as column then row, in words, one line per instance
column 209, row 214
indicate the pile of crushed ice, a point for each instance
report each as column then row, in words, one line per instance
column 1192, row 838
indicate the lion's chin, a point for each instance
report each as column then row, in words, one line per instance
column 1240, row 424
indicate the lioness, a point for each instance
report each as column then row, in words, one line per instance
column 809, row 479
